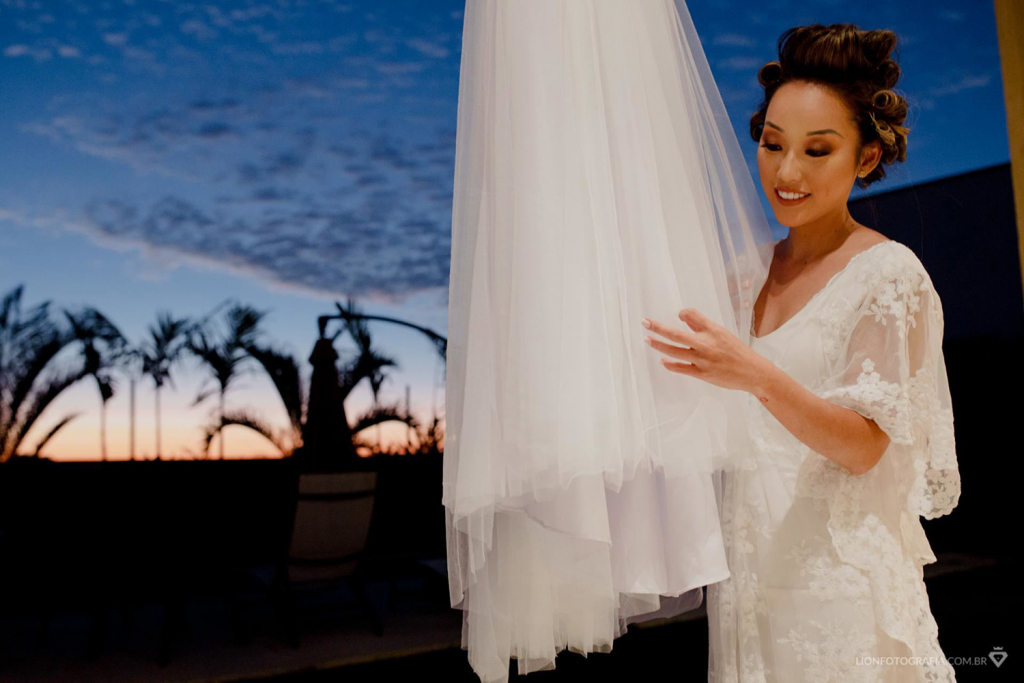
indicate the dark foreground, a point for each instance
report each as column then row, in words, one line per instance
column 971, row 599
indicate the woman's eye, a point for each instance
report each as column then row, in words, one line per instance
column 812, row 152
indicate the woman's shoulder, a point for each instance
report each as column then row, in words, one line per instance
column 895, row 260
column 893, row 277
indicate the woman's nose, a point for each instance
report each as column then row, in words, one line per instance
column 788, row 173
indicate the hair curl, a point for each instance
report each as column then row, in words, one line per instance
column 856, row 65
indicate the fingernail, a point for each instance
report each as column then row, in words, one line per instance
column 646, row 323
column 650, row 342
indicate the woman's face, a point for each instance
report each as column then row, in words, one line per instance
column 808, row 147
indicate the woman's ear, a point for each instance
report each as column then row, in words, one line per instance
column 869, row 157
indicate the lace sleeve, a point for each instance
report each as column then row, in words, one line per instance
column 893, row 372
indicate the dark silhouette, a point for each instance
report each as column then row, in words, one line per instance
column 28, row 346
column 104, row 348
column 158, row 354
column 224, row 355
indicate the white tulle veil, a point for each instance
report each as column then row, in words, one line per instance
column 598, row 181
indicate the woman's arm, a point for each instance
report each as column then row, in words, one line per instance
column 711, row 353
column 840, row 434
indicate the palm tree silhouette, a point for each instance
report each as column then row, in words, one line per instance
column 29, row 343
column 283, row 369
column 224, row 356
column 92, row 328
column 164, row 347
column 27, row 346
column 369, row 365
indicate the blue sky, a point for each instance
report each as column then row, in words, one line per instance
column 161, row 155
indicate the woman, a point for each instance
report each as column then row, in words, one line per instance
column 852, row 429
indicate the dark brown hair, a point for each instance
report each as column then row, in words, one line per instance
column 856, row 65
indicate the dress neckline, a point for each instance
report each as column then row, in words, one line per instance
column 816, row 294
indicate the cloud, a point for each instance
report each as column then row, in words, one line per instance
column 198, row 29
column 308, row 47
column 308, row 148
column 427, row 47
column 733, row 39
column 115, row 38
column 373, row 249
column 958, row 84
column 397, row 68
column 328, row 202
column 740, row 63
column 20, row 50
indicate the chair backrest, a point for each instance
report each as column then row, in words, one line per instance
column 332, row 522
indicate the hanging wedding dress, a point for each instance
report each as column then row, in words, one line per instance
column 598, row 181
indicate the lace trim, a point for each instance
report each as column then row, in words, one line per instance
column 913, row 417
column 910, row 413
column 922, row 455
column 886, row 403
column 861, row 540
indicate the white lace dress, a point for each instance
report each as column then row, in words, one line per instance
column 825, row 565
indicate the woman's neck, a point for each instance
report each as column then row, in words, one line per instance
column 811, row 241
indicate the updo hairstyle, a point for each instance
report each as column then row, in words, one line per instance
column 857, row 66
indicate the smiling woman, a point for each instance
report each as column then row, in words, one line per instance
column 852, row 425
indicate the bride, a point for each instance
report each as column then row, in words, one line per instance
column 852, row 424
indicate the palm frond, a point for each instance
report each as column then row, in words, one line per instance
column 203, row 395
column 383, row 413
column 33, row 408
column 244, row 418
column 243, row 325
column 53, row 430
column 284, row 373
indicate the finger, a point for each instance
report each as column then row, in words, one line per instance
column 669, row 332
column 680, row 368
column 695, row 319
column 671, row 349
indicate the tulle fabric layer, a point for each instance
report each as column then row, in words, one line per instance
column 598, row 181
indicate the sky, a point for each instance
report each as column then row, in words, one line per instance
column 169, row 156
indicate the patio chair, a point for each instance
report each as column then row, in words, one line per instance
column 327, row 546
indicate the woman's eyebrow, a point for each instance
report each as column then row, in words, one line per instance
column 813, row 132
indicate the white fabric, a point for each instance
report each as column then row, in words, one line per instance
column 826, row 565
column 598, row 181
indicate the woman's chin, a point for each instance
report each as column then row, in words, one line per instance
column 787, row 216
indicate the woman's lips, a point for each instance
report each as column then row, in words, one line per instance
column 789, row 202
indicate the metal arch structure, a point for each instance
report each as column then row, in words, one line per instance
column 440, row 342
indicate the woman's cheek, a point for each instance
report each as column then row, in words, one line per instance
column 763, row 167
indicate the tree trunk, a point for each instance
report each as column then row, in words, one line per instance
column 221, row 425
column 158, row 423
column 131, row 418
column 103, row 429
